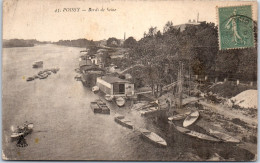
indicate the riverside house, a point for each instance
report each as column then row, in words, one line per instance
column 115, row 86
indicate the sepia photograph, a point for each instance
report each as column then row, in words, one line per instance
column 122, row 80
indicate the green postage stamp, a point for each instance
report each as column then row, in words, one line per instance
column 236, row 27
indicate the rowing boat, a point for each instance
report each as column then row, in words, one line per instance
column 109, row 97
column 120, row 101
column 191, row 118
column 153, row 137
column 224, row 137
column 196, row 134
column 23, row 130
column 178, row 116
column 123, row 121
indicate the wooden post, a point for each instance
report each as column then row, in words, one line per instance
column 180, row 84
column 216, row 79
column 225, row 80
column 251, row 83
column 237, row 82
column 206, row 78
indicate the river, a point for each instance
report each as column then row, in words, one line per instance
column 65, row 127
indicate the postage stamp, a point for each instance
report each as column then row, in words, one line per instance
column 235, row 27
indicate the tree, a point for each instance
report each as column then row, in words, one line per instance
column 113, row 42
column 130, row 42
column 168, row 27
column 152, row 31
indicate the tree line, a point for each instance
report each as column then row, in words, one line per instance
column 197, row 48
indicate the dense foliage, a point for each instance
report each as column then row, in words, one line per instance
column 76, row 43
column 18, row 43
column 197, row 48
column 113, row 42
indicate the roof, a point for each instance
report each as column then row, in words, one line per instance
column 91, row 68
column 182, row 27
column 112, row 79
column 85, row 63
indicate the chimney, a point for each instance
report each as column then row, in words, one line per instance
column 124, row 36
column 198, row 17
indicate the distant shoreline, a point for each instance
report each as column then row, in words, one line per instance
column 14, row 43
column 13, row 46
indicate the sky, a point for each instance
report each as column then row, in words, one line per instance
column 37, row 19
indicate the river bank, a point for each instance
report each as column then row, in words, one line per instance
column 65, row 128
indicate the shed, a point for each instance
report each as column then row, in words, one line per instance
column 115, row 86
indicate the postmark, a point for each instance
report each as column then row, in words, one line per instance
column 235, row 27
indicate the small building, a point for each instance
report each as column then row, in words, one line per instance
column 115, row 86
column 114, row 69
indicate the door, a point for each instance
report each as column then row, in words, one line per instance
column 121, row 88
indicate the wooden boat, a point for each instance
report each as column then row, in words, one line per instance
column 48, row 73
column 224, row 137
column 22, row 130
column 95, row 89
column 77, row 77
column 35, row 76
column 95, row 108
column 191, row 118
column 148, row 111
column 37, row 64
column 196, row 134
column 178, row 116
column 30, row 79
column 16, row 135
column 123, row 121
column 153, row 137
column 54, row 70
column 99, row 106
column 109, row 97
column 103, row 106
column 120, row 101
column 43, row 76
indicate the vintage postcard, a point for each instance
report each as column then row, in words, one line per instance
column 129, row 80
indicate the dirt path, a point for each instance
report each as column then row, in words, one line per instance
column 230, row 113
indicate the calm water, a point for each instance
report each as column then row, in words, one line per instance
column 65, row 126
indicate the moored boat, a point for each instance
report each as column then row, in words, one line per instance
column 191, row 118
column 16, row 135
column 95, row 89
column 109, row 97
column 30, row 79
column 196, row 134
column 24, row 130
column 120, row 101
column 99, row 106
column 104, row 108
column 95, row 108
column 43, row 76
column 178, row 116
column 224, row 137
column 37, row 64
column 123, row 121
column 153, row 137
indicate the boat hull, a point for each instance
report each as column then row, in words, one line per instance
column 95, row 108
column 153, row 138
column 196, row 134
column 191, row 118
column 178, row 117
column 120, row 101
column 224, row 137
column 25, row 130
column 99, row 107
column 124, row 123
